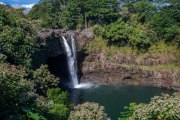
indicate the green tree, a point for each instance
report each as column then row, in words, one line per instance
column 166, row 23
column 144, row 9
column 3, row 58
column 141, row 37
column 101, row 12
column 49, row 12
column 20, row 97
column 61, row 105
column 117, row 33
column 17, row 37
column 18, row 45
column 74, row 14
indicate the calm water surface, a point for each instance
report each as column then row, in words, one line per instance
column 114, row 98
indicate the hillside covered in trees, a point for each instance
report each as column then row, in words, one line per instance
column 31, row 93
column 136, row 24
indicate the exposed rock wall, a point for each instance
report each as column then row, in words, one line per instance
column 51, row 46
column 50, row 40
column 119, row 75
column 99, row 68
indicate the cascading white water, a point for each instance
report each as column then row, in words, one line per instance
column 72, row 63
column 73, row 46
column 71, row 58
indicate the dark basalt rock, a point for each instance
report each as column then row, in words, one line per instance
column 50, row 39
column 97, row 67
column 119, row 75
column 100, row 69
column 51, row 51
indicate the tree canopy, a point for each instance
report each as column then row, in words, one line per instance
column 74, row 14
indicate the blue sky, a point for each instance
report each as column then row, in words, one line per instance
column 19, row 3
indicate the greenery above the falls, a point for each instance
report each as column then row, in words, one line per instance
column 139, row 30
column 74, row 14
column 138, row 24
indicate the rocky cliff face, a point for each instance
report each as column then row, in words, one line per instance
column 120, row 75
column 51, row 46
column 127, row 70
column 120, row 68
column 50, row 40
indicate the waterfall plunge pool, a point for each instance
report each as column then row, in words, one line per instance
column 114, row 98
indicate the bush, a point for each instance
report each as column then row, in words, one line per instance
column 88, row 111
column 17, row 92
column 141, row 38
column 58, row 96
column 163, row 107
column 20, row 94
column 2, row 58
column 44, row 80
column 98, row 30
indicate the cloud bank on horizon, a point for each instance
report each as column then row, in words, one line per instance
column 27, row 4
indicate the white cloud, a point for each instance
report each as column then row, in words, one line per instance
column 28, row 6
column 1, row 3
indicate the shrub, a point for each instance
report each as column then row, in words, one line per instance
column 98, row 30
column 163, row 107
column 88, row 111
column 2, row 58
column 44, row 79
column 16, row 91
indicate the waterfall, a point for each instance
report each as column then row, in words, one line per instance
column 71, row 59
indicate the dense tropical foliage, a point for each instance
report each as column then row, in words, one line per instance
column 137, row 24
column 27, row 92
column 74, row 14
